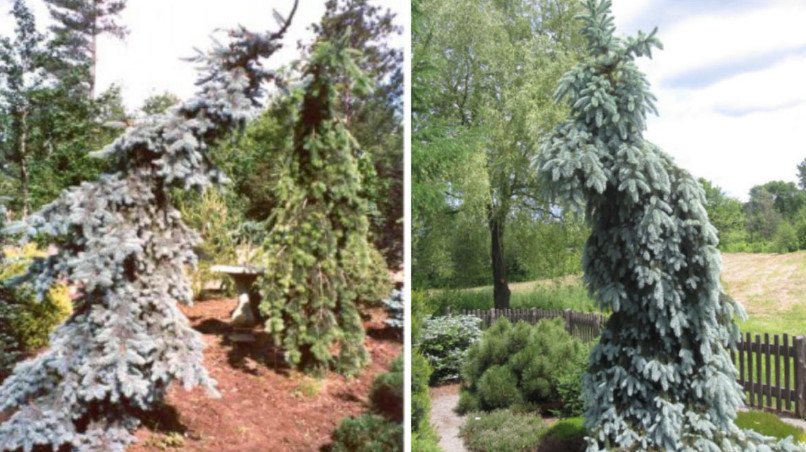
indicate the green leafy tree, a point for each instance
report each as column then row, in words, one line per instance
column 484, row 74
column 374, row 118
column 661, row 377
column 78, row 23
column 726, row 214
column 762, row 215
column 320, row 261
column 787, row 198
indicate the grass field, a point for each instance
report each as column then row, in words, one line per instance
column 770, row 287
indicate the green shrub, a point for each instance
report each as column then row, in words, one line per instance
column 27, row 323
column 35, row 320
column 368, row 433
column 569, row 385
column 209, row 214
column 444, row 341
column 567, row 435
column 498, row 388
column 522, row 364
column 386, row 395
column 502, row 431
column 785, row 239
column 420, row 400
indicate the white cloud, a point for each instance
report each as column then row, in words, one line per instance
column 741, row 126
column 149, row 61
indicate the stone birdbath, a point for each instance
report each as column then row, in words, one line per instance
column 246, row 313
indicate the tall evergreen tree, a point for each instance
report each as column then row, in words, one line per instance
column 22, row 79
column 122, row 242
column 661, row 377
column 374, row 118
column 320, row 263
column 78, row 25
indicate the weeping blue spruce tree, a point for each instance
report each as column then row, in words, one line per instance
column 121, row 241
column 661, row 377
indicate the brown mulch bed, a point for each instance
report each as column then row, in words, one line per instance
column 264, row 406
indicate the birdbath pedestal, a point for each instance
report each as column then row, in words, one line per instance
column 246, row 313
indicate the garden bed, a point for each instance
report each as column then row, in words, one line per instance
column 263, row 404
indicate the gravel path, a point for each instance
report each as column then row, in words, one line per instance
column 445, row 421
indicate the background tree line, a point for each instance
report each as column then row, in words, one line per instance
column 772, row 220
column 484, row 74
column 52, row 115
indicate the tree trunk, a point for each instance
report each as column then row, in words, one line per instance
column 94, row 50
column 23, row 154
column 500, row 285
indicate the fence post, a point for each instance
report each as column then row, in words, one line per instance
column 800, row 376
column 567, row 315
column 492, row 315
column 448, row 311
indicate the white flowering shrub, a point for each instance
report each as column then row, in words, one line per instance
column 661, row 377
column 121, row 241
column 444, row 341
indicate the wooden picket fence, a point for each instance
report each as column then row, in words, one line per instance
column 584, row 325
column 773, row 372
column 771, row 368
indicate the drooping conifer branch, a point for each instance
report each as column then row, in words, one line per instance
column 661, row 377
column 122, row 243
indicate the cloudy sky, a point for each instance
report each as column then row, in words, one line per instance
column 731, row 85
column 149, row 61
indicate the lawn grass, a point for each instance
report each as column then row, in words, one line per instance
column 563, row 293
column 769, row 424
column 568, row 434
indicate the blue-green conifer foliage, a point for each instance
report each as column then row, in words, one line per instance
column 661, row 377
column 122, row 242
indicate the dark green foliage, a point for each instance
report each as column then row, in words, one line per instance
column 785, row 239
column 159, row 103
column 422, row 434
column 502, row 431
column 321, row 264
column 498, row 388
column 367, row 433
column 567, row 435
column 569, row 385
column 444, row 341
column 727, row 215
column 9, row 345
column 420, row 401
column 523, row 365
column 386, row 395
column 209, row 214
